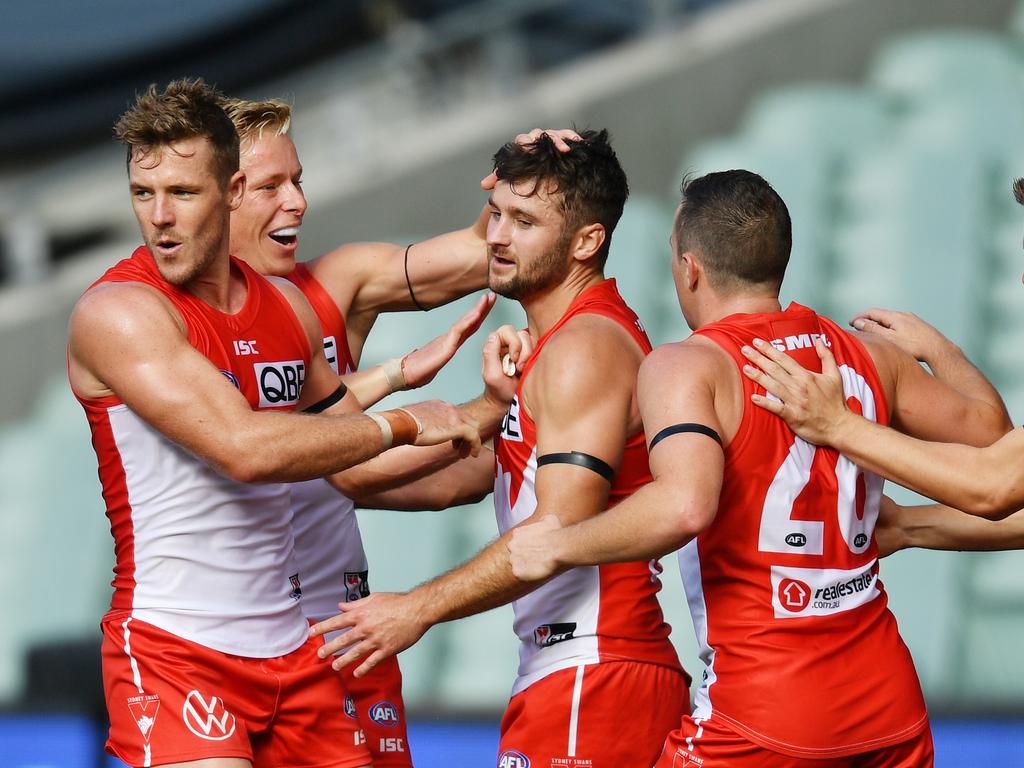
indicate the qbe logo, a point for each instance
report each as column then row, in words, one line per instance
column 794, row 595
column 512, row 758
column 384, row 713
column 280, row 383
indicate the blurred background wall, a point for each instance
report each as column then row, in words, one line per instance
column 893, row 129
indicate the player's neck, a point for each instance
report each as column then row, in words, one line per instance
column 546, row 308
column 717, row 307
column 221, row 286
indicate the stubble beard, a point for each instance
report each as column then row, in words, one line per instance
column 546, row 272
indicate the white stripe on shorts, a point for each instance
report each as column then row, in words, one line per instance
column 574, row 715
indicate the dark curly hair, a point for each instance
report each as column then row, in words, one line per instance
column 589, row 179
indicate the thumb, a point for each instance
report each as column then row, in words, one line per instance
column 828, row 360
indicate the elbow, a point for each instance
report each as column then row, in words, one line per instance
column 245, row 464
column 992, row 501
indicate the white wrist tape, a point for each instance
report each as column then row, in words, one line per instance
column 394, row 374
column 387, row 437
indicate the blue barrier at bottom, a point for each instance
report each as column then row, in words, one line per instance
column 75, row 742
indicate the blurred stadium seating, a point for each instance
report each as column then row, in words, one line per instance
column 898, row 181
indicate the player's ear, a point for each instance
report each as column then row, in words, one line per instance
column 588, row 241
column 691, row 269
column 236, row 189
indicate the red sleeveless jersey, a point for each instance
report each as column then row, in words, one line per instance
column 331, row 321
column 198, row 554
column 803, row 656
column 589, row 614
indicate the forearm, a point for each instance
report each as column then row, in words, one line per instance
column 274, row 447
column 476, row 586
column 936, row 526
column 646, row 525
column 487, row 413
column 981, row 481
column 466, row 481
column 369, row 386
column 393, row 469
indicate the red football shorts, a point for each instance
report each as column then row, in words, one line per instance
column 710, row 744
column 171, row 700
column 606, row 715
column 376, row 700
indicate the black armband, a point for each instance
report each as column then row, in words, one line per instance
column 328, row 401
column 678, row 429
column 584, row 460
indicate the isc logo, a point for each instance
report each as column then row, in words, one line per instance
column 510, row 758
column 391, row 745
column 384, row 713
column 280, row 383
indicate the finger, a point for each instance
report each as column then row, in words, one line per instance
column 352, row 654
column 329, row 625
column 367, row 666
column 781, row 359
column 766, row 382
column 336, row 645
column 868, row 325
column 473, row 319
column 769, row 404
column 885, row 317
column 828, row 360
column 510, row 340
column 490, row 181
column 776, row 372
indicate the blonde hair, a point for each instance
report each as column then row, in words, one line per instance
column 185, row 109
column 252, row 118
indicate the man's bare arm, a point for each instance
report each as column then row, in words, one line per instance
column 579, row 396
column 988, row 482
column 675, row 386
column 936, row 526
column 126, row 339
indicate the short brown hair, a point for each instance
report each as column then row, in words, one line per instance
column 589, row 178
column 187, row 108
column 1018, row 191
column 738, row 226
column 252, row 118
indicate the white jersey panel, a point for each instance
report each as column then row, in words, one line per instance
column 328, row 548
column 213, row 557
column 689, row 572
column 556, row 623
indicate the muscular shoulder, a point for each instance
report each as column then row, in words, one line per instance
column 122, row 309
column 346, row 270
column 589, row 359
column 890, row 361
column 693, row 358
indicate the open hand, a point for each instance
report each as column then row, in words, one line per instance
column 421, row 365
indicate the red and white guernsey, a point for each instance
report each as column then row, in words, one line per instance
column 328, row 546
column 803, row 656
column 200, row 555
column 590, row 614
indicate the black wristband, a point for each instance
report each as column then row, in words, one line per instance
column 678, row 429
column 328, row 401
column 408, row 282
column 580, row 459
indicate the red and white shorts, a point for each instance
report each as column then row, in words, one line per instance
column 171, row 700
column 606, row 715
column 711, row 744
column 376, row 700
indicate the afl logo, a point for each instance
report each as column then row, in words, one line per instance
column 231, row 378
column 511, row 758
column 350, row 707
column 794, row 595
column 860, row 540
column 384, row 713
column 796, row 539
